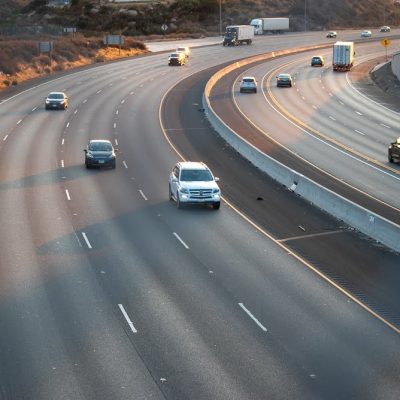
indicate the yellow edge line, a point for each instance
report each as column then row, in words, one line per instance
column 320, row 134
column 269, row 236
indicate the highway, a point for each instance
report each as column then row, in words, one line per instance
column 109, row 291
column 334, row 127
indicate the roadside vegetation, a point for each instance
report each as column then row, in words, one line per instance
column 25, row 22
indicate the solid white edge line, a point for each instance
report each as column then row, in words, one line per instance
column 125, row 165
column 126, row 316
column 67, row 193
column 143, row 195
column 253, row 317
column 86, row 240
column 182, row 242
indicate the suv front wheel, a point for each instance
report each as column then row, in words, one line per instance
column 216, row 206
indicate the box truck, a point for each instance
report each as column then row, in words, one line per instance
column 263, row 26
column 238, row 34
column 343, row 56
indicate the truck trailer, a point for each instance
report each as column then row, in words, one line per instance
column 343, row 56
column 264, row 26
column 238, row 34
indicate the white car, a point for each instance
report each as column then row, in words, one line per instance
column 184, row 50
column 366, row 34
column 248, row 84
column 193, row 183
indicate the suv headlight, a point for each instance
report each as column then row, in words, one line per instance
column 184, row 190
column 215, row 191
column 90, row 155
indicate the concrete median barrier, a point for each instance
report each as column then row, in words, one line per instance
column 365, row 221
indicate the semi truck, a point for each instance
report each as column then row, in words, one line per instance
column 238, row 34
column 263, row 26
column 343, row 56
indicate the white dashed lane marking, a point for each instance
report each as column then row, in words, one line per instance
column 128, row 320
column 5, row 138
column 142, row 194
column 361, row 133
column 19, row 121
column 86, row 240
column 67, row 194
column 252, row 317
column 125, row 164
column 181, row 241
column 358, row 112
column 385, row 126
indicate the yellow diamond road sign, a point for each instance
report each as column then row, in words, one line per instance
column 385, row 42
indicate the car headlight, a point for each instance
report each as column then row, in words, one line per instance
column 90, row 155
column 215, row 191
column 47, row 101
column 184, row 190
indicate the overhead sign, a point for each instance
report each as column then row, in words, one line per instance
column 164, row 27
column 385, row 42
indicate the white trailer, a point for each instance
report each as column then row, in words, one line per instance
column 343, row 56
column 238, row 34
column 270, row 25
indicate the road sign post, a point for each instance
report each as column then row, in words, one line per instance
column 385, row 43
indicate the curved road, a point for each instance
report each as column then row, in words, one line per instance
column 333, row 126
column 108, row 291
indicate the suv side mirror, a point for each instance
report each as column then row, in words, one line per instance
column 85, row 150
column 216, row 179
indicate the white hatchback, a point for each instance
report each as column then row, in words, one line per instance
column 248, row 84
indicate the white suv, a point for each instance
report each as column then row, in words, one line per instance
column 193, row 183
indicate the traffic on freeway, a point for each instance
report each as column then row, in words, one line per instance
column 109, row 291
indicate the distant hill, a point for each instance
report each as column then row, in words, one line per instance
column 194, row 16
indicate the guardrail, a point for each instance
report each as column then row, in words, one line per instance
column 365, row 221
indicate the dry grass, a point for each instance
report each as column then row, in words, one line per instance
column 20, row 59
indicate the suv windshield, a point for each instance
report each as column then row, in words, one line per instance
column 56, row 96
column 190, row 175
column 100, row 147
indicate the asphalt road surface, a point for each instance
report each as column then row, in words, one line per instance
column 108, row 291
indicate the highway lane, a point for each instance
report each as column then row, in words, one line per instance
column 269, row 133
column 332, row 127
column 80, row 247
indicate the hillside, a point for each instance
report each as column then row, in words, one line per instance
column 192, row 16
